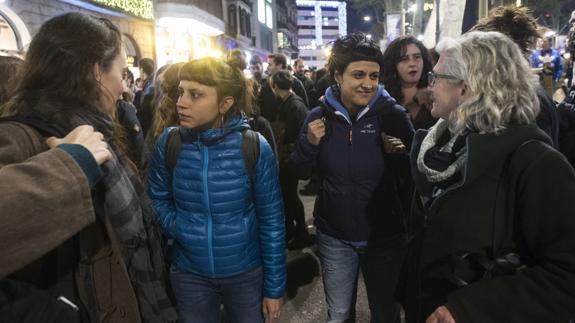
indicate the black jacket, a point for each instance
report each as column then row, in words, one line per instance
column 268, row 102
column 309, row 90
column 540, row 200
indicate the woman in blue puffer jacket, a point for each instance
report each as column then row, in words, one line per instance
column 227, row 224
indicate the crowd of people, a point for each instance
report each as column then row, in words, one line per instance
column 444, row 176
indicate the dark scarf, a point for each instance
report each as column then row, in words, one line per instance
column 120, row 197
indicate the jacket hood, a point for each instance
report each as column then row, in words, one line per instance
column 333, row 101
column 235, row 123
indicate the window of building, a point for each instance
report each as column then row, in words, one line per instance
column 232, row 20
column 248, row 25
column 242, row 22
column 8, row 40
column 265, row 13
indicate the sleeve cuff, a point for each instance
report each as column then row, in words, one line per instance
column 85, row 160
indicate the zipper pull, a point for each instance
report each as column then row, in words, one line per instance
column 350, row 136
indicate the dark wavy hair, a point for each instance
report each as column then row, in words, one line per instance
column 392, row 56
column 352, row 48
column 59, row 65
column 516, row 23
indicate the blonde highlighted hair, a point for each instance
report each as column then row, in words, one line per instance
column 502, row 85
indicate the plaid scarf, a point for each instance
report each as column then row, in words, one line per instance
column 129, row 210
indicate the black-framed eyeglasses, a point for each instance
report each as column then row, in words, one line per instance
column 431, row 77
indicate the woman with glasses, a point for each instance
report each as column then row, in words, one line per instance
column 498, row 244
column 357, row 211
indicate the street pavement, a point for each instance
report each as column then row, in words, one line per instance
column 305, row 299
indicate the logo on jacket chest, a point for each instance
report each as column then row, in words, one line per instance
column 226, row 154
column 368, row 128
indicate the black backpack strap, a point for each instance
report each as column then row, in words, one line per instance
column 173, row 145
column 250, row 150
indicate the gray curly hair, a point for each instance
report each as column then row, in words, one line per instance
column 502, row 85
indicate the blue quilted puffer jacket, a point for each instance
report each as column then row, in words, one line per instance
column 221, row 225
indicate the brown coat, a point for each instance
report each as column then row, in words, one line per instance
column 46, row 199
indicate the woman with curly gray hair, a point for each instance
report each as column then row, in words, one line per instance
column 496, row 247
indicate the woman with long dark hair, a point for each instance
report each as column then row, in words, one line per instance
column 71, row 78
column 406, row 64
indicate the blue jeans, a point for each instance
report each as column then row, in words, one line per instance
column 380, row 265
column 199, row 298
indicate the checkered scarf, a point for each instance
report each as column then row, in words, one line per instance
column 129, row 210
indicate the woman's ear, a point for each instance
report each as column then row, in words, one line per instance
column 337, row 77
column 97, row 72
column 226, row 104
column 465, row 90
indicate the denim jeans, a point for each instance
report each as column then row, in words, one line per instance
column 199, row 298
column 380, row 265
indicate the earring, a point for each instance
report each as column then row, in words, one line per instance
column 222, row 120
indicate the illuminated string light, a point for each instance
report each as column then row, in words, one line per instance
column 139, row 8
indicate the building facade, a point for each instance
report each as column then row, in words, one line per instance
column 188, row 29
column 287, row 29
column 239, row 17
column 319, row 24
column 21, row 19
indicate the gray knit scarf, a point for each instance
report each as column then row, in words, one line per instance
column 430, row 140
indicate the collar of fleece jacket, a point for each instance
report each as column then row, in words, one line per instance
column 333, row 100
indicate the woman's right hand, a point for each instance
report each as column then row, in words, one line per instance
column 90, row 139
column 315, row 131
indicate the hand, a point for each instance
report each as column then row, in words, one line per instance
column 392, row 145
column 315, row 131
column 271, row 308
column 86, row 136
column 441, row 315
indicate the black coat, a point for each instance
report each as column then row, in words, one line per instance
column 541, row 198
column 269, row 103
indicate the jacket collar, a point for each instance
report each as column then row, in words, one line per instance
column 334, row 102
column 235, row 123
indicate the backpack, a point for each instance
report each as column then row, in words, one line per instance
column 250, row 150
column 57, row 302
